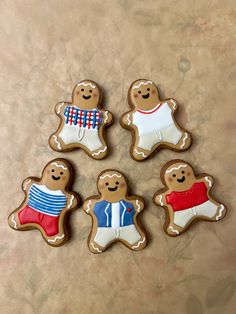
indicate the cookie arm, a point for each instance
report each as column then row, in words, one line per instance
column 27, row 183
column 208, row 180
column 107, row 116
column 60, row 107
column 89, row 205
column 72, row 201
column 138, row 205
column 160, row 199
column 172, row 103
column 127, row 118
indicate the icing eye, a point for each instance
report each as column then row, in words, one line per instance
column 53, row 170
column 117, row 183
column 61, row 173
column 139, row 91
column 90, row 91
column 82, row 90
column 107, row 183
column 148, row 89
column 174, row 175
column 182, row 172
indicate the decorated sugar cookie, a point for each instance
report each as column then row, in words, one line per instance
column 82, row 122
column 186, row 197
column 152, row 121
column 47, row 202
column 114, row 214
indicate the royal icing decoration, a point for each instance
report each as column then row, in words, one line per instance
column 82, row 122
column 152, row 121
column 114, row 214
column 46, row 203
column 186, row 197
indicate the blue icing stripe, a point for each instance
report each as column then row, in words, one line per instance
column 51, row 196
column 46, row 203
column 47, row 200
column 84, row 119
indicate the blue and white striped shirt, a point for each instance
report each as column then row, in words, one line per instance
column 49, row 202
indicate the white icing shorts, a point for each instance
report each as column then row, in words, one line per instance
column 106, row 235
column 207, row 209
column 71, row 134
column 170, row 134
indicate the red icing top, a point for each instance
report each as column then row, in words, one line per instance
column 196, row 195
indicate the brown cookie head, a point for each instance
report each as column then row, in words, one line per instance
column 86, row 95
column 56, row 175
column 179, row 176
column 112, row 186
column 143, row 95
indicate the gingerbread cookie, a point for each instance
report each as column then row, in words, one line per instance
column 47, row 202
column 82, row 122
column 152, row 121
column 114, row 214
column 186, row 197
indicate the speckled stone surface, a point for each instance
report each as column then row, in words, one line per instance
column 188, row 49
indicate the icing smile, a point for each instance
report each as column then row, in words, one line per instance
column 113, row 189
column 86, row 97
column 146, row 96
column 56, row 178
column 181, row 179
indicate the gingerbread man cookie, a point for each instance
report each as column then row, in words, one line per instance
column 82, row 122
column 186, row 197
column 152, row 121
column 114, row 214
column 47, row 202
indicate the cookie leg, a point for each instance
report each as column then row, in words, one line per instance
column 91, row 140
column 95, row 248
column 56, row 240
column 102, row 238
column 56, row 143
column 13, row 221
column 179, row 222
column 174, row 230
column 130, row 234
column 139, row 153
column 185, row 141
column 99, row 153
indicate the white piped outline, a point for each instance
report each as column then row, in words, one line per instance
column 174, row 103
column 88, row 206
column 142, row 83
column 26, row 183
column 173, row 230
column 176, row 168
column 140, row 153
column 209, row 181
column 111, row 176
column 59, row 166
column 100, row 151
column 56, row 141
column 140, row 242
column 106, row 116
column 59, row 108
column 220, row 212
column 71, row 201
column 95, row 248
column 56, row 238
column 14, row 221
column 86, row 84
column 160, row 200
column 184, row 140
column 128, row 119
column 139, row 207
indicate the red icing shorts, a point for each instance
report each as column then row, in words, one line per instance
column 48, row 223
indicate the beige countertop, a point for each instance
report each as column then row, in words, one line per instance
column 188, row 49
